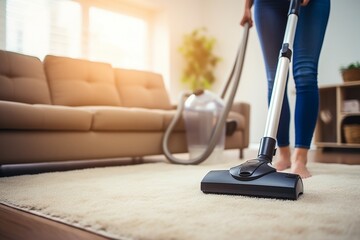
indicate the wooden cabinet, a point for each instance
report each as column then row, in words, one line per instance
column 339, row 109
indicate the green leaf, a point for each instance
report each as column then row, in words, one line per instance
column 200, row 61
column 354, row 65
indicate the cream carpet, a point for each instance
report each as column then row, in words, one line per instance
column 164, row 201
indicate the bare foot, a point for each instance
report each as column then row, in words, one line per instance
column 283, row 160
column 300, row 169
column 299, row 160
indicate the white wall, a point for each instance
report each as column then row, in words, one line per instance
column 342, row 41
column 180, row 16
column 222, row 19
column 341, row 46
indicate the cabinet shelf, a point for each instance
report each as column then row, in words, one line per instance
column 336, row 145
column 347, row 114
column 329, row 131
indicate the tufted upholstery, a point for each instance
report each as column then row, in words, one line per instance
column 141, row 89
column 18, row 74
column 72, row 109
column 76, row 82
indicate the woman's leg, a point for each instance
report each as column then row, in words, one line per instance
column 307, row 46
column 270, row 19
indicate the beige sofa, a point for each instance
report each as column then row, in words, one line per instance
column 70, row 109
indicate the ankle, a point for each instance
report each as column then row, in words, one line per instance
column 300, row 156
column 284, row 152
column 283, row 159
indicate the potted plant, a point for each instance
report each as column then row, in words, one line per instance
column 351, row 72
column 197, row 50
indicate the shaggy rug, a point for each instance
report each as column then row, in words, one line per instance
column 164, row 201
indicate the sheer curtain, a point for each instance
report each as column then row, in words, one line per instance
column 75, row 29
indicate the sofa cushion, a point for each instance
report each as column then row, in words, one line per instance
column 125, row 119
column 21, row 116
column 180, row 125
column 141, row 89
column 168, row 116
column 22, row 79
column 240, row 120
column 76, row 82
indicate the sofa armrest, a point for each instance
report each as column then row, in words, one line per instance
column 243, row 109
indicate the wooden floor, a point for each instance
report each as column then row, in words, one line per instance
column 16, row 224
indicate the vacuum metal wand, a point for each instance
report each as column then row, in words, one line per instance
column 277, row 95
column 268, row 142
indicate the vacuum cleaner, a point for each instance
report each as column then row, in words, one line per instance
column 221, row 120
column 256, row 177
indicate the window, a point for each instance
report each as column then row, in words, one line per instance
column 75, row 29
column 41, row 27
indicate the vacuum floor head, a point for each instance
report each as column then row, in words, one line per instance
column 269, row 185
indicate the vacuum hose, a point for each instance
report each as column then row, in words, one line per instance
column 218, row 130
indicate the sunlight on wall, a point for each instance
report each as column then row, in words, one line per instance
column 119, row 39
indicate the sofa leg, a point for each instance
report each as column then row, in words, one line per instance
column 137, row 160
column 241, row 155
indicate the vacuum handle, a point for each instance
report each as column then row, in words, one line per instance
column 295, row 7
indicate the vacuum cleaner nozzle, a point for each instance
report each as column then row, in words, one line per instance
column 253, row 178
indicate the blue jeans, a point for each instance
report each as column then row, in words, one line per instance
column 270, row 19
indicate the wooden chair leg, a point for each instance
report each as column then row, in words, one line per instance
column 241, row 155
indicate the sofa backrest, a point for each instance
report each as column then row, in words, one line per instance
column 22, row 79
column 141, row 89
column 76, row 82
